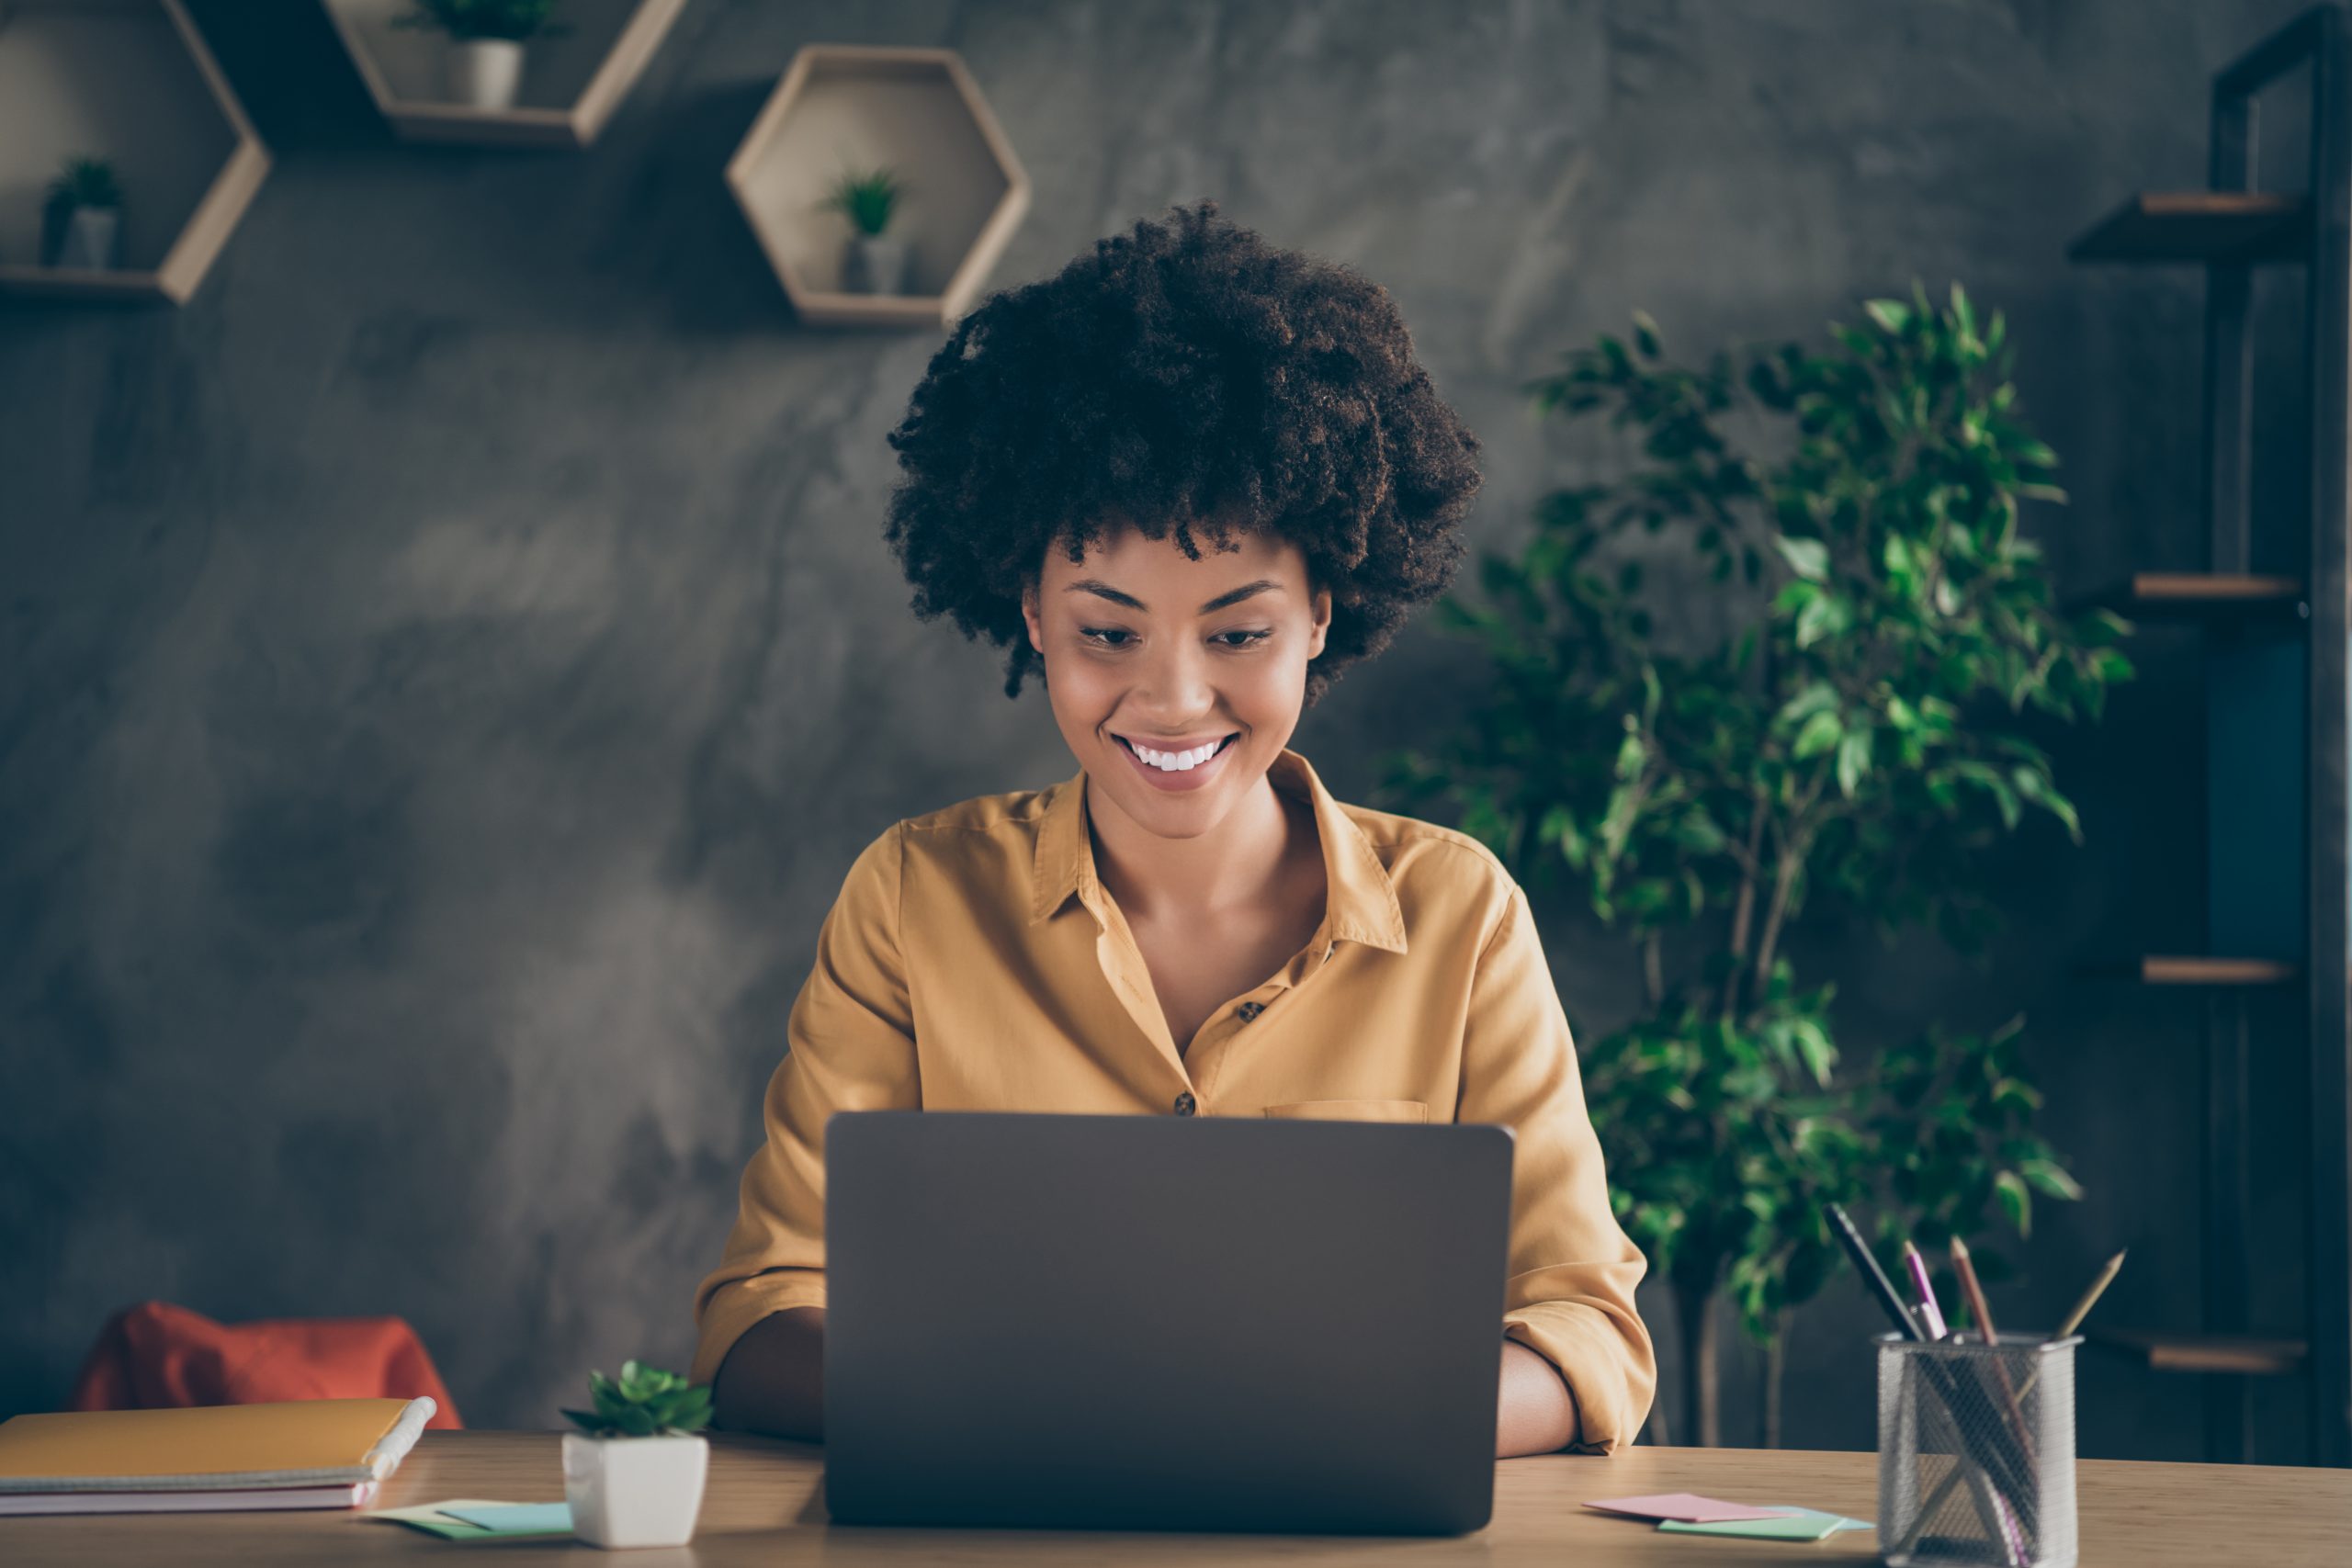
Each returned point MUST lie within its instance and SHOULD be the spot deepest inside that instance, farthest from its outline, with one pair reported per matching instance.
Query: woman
(1192, 479)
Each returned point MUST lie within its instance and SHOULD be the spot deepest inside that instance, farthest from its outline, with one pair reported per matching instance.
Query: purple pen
(1931, 1316)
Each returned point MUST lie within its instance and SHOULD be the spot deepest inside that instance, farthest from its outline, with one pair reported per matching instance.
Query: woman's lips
(1177, 781)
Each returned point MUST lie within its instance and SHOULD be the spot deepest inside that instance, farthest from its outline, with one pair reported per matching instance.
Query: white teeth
(1177, 761)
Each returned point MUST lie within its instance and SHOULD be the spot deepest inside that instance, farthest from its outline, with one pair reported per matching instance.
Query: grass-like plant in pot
(634, 1473)
(81, 216)
(484, 66)
(871, 263)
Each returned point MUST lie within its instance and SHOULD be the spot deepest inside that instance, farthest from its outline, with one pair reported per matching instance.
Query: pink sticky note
(1686, 1506)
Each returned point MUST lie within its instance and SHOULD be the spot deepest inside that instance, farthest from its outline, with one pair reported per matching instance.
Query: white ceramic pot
(872, 264)
(483, 73)
(93, 236)
(634, 1491)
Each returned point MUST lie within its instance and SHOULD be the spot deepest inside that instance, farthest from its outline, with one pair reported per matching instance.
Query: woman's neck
(1233, 865)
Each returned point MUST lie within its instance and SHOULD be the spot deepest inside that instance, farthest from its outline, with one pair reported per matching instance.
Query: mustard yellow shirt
(974, 962)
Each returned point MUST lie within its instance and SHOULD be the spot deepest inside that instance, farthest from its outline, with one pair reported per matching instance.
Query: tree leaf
(1809, 558)
(1821, 732)
(1853, 761)
(1646, 334)
(2016, 1201)
(2049, 1177)
(1891, 314)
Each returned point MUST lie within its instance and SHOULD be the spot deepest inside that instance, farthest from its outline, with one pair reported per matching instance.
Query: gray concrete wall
(446, 668)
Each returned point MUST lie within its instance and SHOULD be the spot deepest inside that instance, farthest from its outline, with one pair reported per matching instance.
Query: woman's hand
(1537, 1414)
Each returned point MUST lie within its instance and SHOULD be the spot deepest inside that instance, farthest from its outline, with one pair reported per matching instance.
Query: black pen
(1866, 1264)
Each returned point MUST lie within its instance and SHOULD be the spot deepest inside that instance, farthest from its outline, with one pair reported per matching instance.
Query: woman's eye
(1240, 638)
(1107, 637)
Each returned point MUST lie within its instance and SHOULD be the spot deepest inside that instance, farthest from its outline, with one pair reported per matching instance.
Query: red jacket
(156, 1355)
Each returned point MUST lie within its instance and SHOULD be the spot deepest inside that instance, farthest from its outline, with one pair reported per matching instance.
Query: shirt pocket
(1353, 1110)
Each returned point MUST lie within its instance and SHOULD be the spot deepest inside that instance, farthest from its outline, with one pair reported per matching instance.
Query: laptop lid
(1162, 1322)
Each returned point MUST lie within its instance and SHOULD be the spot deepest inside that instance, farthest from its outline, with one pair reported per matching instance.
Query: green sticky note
(447, 1519)
(1791, 1526)
(1838, 1521)
(515, 1519)
(448, 1529)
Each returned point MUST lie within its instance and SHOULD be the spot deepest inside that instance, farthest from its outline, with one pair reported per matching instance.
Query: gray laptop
(1162, 1322)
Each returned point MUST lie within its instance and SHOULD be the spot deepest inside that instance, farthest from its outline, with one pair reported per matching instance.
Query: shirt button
(1250, 1010)
(1185, 1105)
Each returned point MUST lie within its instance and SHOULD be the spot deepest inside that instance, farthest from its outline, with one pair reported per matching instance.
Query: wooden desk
(765, 1506)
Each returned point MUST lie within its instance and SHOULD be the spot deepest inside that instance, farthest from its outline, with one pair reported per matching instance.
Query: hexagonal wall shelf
(571, 82)
(129, 81)
(914, 111)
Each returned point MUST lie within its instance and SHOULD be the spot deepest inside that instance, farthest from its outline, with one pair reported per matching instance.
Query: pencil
(1981, 1310)
(2090, 1297)
(2082, 1310)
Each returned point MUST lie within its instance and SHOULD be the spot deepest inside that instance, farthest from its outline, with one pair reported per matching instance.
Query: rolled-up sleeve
(1570, 1296)
(850, 1046)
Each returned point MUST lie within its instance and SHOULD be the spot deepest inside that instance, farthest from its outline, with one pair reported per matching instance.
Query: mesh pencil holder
(1976, 1452)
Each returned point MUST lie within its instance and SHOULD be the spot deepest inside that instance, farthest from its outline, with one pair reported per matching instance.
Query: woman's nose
(1175, 681)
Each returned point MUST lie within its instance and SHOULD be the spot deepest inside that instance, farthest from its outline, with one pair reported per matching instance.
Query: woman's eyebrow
(1104, 591)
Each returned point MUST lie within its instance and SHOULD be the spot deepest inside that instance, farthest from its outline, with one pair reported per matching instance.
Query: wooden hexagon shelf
(130, 82)
(571, 82)
(913, 111)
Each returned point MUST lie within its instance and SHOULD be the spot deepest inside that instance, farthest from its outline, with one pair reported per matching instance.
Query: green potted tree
(484, 66)
(82, 217)
(634, 1473)
(871, 262)
(1840, 711)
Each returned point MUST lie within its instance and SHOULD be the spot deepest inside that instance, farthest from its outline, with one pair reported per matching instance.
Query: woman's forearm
(772, 1380)
(1537, 1414)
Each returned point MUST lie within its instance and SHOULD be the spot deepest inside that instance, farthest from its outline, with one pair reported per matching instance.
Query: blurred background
(448, 661)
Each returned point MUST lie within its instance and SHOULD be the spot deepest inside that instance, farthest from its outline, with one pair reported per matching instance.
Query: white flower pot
(92, 237)
(483, 73)
(874, 266)
(634, 1491)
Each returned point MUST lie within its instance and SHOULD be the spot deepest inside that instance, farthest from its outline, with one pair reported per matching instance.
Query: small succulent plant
(85, 182)
(646, 1403)
(864, 199)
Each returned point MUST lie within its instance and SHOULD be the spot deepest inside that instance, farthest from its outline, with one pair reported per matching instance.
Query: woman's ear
(1029, 613)
(1321, 626)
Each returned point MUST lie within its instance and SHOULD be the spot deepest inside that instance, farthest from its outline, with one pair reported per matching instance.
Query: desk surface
(765, 1505)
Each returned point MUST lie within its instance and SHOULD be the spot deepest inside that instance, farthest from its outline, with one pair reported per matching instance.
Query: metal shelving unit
(2277, 725)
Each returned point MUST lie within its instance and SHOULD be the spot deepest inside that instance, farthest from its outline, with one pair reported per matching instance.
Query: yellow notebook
(307, 1442)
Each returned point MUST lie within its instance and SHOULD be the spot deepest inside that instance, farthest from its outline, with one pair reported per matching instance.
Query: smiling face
(1176, 682)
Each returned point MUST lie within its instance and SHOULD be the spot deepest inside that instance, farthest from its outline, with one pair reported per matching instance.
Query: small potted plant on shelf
(82, 219)
(634, 1477)
(870, 263)
(485, 65)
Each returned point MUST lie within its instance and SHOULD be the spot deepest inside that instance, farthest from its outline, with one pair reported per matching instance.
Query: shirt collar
(1360, 899)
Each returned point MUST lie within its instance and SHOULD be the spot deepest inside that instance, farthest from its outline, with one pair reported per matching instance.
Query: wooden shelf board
(831, 308)
(2248, 1354)
(2199, 226)
(571, 81)
(2201, 595)
(2194, 969)
(915, 111)
(81, 283)
(456, 124)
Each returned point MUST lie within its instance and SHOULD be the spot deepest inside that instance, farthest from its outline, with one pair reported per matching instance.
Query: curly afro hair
(1187, 379)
